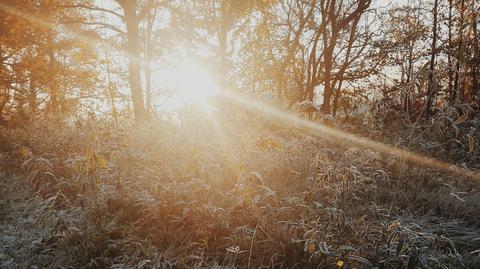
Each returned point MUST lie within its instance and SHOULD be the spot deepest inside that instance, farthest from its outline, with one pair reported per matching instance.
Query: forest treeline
(59, 56)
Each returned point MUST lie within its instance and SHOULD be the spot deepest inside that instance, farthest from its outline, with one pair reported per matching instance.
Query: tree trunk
(338, 94)
(406, 101)
(458, 92)
(327, 82)
(148, 61)
(53, 104)
(431, 87)
(134, 59)
(476, 59)
(32, 97)
(327, 95)
(449, 57)
(148, 86)
(111, 91)
(20, 99)
(312, 72)
(4, 96)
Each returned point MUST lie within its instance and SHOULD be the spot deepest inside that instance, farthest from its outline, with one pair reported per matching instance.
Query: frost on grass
(188, 196)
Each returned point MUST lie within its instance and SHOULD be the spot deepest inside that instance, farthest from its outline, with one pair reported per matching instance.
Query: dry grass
(208, 194)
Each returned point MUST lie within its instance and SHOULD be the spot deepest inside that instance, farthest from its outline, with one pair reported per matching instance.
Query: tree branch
(102, 24)
(95, 8)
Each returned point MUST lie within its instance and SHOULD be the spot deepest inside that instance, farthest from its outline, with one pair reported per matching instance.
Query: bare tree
(431, 86)
(331, 47)
(132, 19)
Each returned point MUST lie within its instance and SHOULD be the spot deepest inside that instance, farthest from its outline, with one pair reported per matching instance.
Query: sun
(191, 84)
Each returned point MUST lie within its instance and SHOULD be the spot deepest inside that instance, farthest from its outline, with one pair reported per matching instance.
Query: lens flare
(191, 83)
(324, 131)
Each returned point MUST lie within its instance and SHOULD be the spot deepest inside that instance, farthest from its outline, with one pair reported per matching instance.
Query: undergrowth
(205, 193)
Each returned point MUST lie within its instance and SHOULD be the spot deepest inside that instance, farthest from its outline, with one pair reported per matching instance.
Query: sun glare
(191, 84)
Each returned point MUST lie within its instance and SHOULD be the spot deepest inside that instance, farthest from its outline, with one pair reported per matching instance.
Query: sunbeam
(344, 137)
